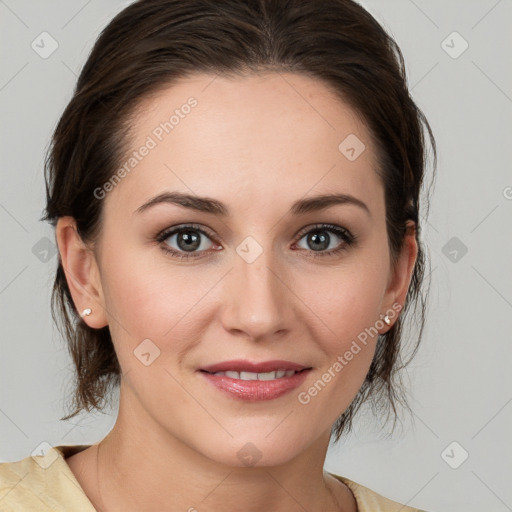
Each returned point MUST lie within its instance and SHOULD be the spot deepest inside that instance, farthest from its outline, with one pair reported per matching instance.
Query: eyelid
(327, 227)
(167, 232)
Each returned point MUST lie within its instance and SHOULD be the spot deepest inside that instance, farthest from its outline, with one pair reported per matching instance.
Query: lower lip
(256, 390)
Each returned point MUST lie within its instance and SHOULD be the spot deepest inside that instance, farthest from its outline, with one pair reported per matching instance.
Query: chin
(258, 448)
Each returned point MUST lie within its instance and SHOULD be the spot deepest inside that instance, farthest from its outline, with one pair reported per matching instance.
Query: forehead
(247, 138)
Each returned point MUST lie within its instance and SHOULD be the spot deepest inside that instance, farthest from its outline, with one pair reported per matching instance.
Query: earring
(387, 321)
(86, 312)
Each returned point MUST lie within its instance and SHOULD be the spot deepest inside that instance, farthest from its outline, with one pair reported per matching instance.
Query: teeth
(267, 376)
(248, 376)
(257, 376)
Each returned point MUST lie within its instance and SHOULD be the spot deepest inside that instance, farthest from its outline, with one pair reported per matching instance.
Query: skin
(257, 143)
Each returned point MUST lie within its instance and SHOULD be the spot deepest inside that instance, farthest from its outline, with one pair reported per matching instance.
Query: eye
(189, 241)
(319, 238)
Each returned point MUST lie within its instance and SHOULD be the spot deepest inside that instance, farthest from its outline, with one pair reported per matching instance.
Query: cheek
(347, 308)
(346, 301)
(149, 298)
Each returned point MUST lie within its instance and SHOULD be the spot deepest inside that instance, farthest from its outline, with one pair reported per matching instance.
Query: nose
(257, 300)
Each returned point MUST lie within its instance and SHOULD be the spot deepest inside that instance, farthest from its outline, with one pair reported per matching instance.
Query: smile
(251, 386)
(257, 376)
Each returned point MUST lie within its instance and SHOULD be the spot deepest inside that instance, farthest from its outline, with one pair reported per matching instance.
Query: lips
(246, 380)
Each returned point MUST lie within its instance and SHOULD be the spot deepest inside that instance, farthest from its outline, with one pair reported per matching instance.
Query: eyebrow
(215, 207)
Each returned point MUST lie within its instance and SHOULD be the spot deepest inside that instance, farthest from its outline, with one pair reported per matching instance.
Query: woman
(235, 187)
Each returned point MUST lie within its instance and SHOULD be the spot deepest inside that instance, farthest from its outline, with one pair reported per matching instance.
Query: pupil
(190, 240)
(319, 238)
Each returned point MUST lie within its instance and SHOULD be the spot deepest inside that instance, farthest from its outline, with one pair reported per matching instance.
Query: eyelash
(348, 239)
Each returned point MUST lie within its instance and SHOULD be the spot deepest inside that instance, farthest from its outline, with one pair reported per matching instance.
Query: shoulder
(42, 483)
(370, 501)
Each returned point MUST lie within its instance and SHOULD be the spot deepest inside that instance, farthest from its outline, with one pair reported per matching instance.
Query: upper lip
(240, 365)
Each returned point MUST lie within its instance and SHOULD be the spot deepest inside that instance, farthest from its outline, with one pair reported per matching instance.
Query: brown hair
(151, 44)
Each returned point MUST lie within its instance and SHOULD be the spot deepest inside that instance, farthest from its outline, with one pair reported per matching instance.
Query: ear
(82, 273)
(401, 274)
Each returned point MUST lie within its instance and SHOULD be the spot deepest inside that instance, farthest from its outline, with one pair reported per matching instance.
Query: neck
(142, 467)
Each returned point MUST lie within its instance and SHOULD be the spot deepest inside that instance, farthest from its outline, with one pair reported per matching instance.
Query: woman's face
(260, 284)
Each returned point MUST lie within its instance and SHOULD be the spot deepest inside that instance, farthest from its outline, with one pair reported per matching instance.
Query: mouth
(240, 375)
(245, 366)
(254, 382)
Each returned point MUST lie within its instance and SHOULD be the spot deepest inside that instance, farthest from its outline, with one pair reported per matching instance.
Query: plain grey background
(458, 56)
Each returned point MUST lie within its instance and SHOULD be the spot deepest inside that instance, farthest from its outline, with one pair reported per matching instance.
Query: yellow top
(45, 483)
